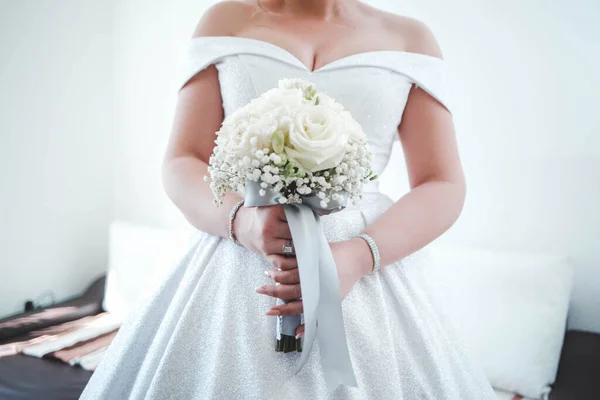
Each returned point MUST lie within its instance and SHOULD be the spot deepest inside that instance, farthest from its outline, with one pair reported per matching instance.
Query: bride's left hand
(353, 260)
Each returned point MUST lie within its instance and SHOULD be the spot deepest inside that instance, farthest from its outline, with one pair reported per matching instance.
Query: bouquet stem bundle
(298, 147)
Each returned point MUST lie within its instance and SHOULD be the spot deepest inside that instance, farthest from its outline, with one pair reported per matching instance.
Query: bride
(208, 331)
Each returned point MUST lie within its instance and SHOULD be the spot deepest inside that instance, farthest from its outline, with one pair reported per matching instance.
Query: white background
(524, 82)
(56, 146)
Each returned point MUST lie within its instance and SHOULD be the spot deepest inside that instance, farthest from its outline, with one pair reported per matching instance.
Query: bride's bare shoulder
(225, 18)
(411, 34)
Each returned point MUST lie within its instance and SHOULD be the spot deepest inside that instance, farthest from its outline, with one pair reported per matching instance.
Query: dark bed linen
(21, 327)
(578, 375)
(30, 378)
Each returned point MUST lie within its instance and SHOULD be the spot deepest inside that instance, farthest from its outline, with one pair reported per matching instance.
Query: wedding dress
(203, 334)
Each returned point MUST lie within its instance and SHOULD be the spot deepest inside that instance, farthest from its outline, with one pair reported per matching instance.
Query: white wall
(523, 75)
(150, 41)
(524, 78)
(56, 130)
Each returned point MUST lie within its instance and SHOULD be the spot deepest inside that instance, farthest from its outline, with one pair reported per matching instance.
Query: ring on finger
(288, 248)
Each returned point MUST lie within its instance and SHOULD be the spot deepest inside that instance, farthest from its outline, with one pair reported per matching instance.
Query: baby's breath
(251, 145)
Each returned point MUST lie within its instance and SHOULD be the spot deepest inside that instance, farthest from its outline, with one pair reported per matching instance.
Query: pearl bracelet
(374, 251)
(232, 214)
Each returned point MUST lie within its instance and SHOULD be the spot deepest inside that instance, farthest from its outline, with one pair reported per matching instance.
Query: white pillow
(509, 308)
(139, 257)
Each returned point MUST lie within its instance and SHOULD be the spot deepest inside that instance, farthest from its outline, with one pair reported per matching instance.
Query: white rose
(355, 130)
(317, 138)
(263, 130)
(308, 88)
(329, 102)
(296, 83)
(249, 135)
(276, 98)
(233, 124)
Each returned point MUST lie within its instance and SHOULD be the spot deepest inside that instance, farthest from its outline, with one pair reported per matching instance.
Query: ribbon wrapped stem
(319, 284)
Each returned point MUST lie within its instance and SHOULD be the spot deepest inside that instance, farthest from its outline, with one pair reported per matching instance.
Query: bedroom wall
(524, 81)
(523, 77)
(55, 147)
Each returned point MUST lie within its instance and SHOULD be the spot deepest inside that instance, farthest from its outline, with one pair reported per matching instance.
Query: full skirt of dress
(203, 333)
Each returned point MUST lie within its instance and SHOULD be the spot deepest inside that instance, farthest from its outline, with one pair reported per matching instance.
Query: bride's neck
(325, 9)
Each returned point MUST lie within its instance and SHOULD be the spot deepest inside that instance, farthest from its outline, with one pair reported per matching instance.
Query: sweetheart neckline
(326, 66)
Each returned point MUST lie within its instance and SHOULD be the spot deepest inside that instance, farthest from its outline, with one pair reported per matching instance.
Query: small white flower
(286, 123)
(262, 192)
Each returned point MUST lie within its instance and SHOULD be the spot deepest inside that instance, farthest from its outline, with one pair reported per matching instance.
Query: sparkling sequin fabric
(203, 334)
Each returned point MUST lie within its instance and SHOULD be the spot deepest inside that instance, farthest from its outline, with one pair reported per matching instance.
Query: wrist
(233, 221)
(361, 252)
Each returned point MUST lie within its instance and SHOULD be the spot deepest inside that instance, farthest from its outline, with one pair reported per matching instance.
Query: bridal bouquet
(294, 140)
(296, 146)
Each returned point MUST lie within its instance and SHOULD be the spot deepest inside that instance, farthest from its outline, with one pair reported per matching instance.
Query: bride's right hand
(264, 231)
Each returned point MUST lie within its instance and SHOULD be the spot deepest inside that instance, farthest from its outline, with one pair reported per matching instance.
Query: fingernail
(261, 289)
(273, 312)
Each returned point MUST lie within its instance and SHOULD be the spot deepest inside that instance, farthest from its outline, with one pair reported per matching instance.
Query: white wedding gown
(203, 334)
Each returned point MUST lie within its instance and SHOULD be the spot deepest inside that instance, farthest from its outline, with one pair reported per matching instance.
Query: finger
(300, 331)
(277, 212)
(281, 230)
(274, 246)
(281, 214)
(282, 263)
(288, 277)
(281, 291)
(274, 228)
(291, 308)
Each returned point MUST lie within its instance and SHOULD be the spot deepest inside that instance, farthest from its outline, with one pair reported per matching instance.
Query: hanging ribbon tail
(335, 357)
(302, 222)
(319, 283)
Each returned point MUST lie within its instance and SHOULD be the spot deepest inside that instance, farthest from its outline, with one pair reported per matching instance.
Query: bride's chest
(375, 97)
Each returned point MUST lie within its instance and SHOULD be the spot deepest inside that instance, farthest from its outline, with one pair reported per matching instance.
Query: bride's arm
(436, 177)
(198, 116)
(437, 188)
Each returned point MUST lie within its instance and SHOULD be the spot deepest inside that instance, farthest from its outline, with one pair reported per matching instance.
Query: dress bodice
(373, 86)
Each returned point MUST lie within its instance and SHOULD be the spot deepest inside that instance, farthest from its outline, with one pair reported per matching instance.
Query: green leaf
(288, 170)
(284, 159)
(277, 141)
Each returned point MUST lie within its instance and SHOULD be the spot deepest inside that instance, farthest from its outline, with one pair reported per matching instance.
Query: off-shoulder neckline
(300, 64)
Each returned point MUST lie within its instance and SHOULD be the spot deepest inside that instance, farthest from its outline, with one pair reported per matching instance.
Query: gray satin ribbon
(318, 281)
